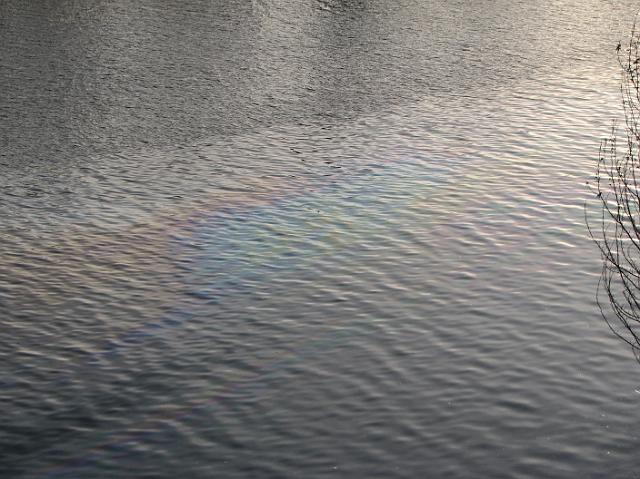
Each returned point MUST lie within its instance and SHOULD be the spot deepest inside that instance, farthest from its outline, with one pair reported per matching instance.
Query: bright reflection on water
(307, 239)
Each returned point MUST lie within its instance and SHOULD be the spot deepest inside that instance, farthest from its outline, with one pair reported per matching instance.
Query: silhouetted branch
(617, 187)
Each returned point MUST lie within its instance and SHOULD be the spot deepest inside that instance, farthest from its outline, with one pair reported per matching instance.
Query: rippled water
(307, 239)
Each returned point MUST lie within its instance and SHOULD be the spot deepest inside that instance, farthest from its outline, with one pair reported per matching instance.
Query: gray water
(279, 238)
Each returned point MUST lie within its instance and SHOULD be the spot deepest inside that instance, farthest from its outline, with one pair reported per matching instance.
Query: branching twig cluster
(617, 187)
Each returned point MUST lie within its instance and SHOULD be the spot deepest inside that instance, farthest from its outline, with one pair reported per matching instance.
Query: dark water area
(307, 239)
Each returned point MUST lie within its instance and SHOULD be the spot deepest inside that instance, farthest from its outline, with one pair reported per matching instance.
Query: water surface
(307, 239)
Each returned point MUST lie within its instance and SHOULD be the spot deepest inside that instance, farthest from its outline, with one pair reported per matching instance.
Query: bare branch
(618, 190)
